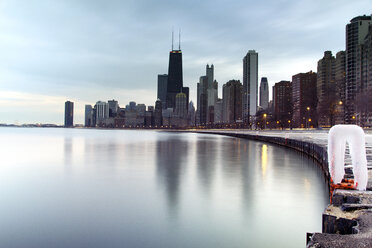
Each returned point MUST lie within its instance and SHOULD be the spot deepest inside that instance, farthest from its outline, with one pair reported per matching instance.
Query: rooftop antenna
(172, 38)
(179, 40)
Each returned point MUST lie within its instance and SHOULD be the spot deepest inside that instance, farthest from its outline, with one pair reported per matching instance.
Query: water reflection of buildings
(207, 151)
(67, 151)
(171, 155)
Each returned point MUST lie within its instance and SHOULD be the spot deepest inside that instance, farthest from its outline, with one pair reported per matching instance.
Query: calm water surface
(115, 188)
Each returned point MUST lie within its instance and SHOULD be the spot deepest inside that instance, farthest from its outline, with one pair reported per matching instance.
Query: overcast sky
(85, 51)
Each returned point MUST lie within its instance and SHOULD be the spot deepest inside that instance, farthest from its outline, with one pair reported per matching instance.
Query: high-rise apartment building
(191, 114)
(250, 86)
(102, 113)
(113, 108)
(162, 88)
(232, 102)
(218, 114)
(181, 105)
(212, 93)
(356, 32)
(264, 93)
(304, 99)
(340, 68)
(202, 99)
(88, 115)
(158, 120)
(282, 100)
(326, 90)
(69, 114)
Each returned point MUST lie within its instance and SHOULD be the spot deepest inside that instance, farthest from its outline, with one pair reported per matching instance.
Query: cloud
(83, 49)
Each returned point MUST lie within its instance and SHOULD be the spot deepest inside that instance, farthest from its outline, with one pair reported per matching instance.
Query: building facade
(88, 116)
(162, 88)
(69, 114)
(202, 99)
(356, 31)
(340, 67)
(264, 93)
(102, 112)
(326, 90)
(282, 100)
(232, 102)
(250, 86)
(304, 99)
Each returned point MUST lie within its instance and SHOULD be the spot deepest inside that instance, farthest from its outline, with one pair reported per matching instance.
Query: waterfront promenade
(347, 222)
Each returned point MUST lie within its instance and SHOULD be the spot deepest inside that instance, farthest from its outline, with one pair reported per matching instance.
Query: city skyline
(45, 63)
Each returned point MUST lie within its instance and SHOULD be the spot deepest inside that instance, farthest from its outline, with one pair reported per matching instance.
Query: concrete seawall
(348, 221)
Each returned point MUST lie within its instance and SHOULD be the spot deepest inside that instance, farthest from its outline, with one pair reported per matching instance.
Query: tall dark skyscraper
(175, 78)
(69, 114)
(162, 88)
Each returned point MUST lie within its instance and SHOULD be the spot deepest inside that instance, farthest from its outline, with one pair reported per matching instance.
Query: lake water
(116, 188)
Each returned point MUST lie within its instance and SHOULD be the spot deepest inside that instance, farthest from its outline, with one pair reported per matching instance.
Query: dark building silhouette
(340, 68)
(202, 99)
(264, 93)
(232, 102)
(113, 108)
(162, 88)
(326, 89)
(175, 78)
(158, 119)
(88, 115)
(282, 100)
(69, 114)
(304, 99)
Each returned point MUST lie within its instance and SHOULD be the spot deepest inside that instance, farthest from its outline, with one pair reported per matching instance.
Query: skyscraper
(202, 100)
(250, 86)
(264, 93)
(102, 112)
(181, 106)
(88, 115)
(356, 31)
(232, 102)
(191, 114)
(162, 88)
(69, 114)
(175, 78)
(113, 108)
(212, 93)
(326, 89)
(282, 100)
(158, 114)
(340, 68)
(304, 99)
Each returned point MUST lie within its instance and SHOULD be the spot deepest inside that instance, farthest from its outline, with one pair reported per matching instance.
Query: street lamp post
(265, 115)
(307, 123)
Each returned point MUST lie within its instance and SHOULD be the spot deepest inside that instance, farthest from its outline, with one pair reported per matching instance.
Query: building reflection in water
(206, 153)
(171, 156)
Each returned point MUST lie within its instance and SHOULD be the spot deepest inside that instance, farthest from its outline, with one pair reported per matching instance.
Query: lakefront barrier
(347, 221)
